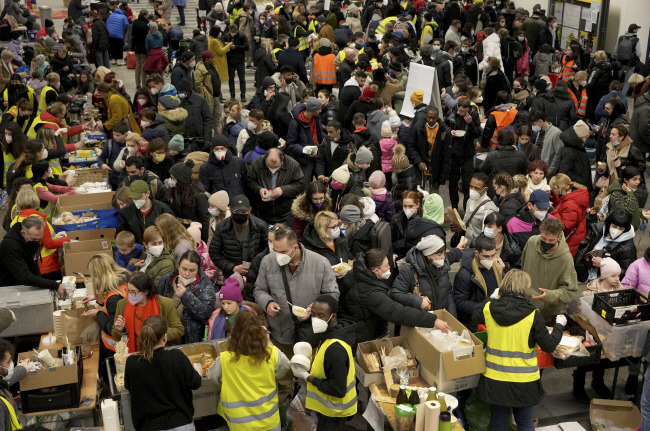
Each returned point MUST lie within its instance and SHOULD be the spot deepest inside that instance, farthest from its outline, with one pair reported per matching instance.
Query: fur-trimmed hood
(175, 115)
(298, 212)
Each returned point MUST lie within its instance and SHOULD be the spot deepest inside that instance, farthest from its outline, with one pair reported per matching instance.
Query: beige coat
(203, 82)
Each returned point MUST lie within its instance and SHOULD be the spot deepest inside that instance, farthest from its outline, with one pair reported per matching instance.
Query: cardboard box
(85, 235)
(76, 255)
(98, 175)
(606, 414)
(48, 377)
(448, 374)
(93, 201)
(362, 372)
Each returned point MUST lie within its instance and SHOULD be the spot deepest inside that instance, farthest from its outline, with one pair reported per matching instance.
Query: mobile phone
(591, 126)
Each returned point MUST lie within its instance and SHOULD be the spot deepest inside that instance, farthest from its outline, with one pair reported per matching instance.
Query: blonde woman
(323, 236)
(56, 148)
(131, 147)
(109, 283)
(174, 235)
(516, 327)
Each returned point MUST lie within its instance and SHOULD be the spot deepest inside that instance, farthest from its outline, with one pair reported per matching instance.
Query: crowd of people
(312, 214)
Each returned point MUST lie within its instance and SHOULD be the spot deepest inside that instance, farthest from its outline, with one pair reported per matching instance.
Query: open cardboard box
(85, 235)
(76, 255)
(448, 373)
(604, 414)
(362, 372)
(92, 201)
(48, 377)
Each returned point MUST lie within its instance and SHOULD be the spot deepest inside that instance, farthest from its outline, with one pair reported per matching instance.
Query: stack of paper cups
(110, 415)
(58, 324)
(431, 415)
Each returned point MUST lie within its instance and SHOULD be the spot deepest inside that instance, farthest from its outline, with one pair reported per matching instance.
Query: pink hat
(195, 231)
(377, 182)
(230, 291)
(609, 267)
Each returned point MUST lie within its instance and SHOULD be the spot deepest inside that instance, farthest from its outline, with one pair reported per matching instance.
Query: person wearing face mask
(423, 283)
(431, 149)
(305, 207)
(236, 59)
(264, 97)
(477, 279)
(620, 154)
(407, 226)
(333, 152)
(47, 192)
(156, 159)
(506, 245)
(529, 218)
(190, 288)
(142, 212)
(152, 125)
(548, 35)
(157, 259)
(323, 236)
(570, 202)
(548, 138)
(130, 148)
(505, 158)
(111, 153)
(142, 100)
(520, 94)
(578, 90)
(223, 170)
(358, 231)
(10, 375)
(182, 74)
(615, 236)
(479, 205)
(507, 196)
(622, 193)
(547, 259)
(369, 305)
(218, 210)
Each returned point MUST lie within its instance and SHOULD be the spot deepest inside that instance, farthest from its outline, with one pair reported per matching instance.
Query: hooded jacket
(299, 135)
(158, 124)
(509, 206)
(370, 306)
(621, 249)
(505, 159)
(312, 241)
(571, 209)
(302, 218)
(432, 282)
(227, 252)
(265, 66)
(637, 276)
(552, 271)
(131, 218)
(562, 110)
(574, 160)
(443, 62)
(228, 174)
(175, 120)
(407, 233)
(199, 44)
(523, 226)
(348, 94)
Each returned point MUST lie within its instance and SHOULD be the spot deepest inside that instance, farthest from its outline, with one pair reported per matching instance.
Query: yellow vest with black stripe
(48, 208)
(30, 95)
(44, 250)
(304, 41)
(508, 358)
(381, 28)
(328, 405)
(42, 104)
(276, 53)
(249, 394)
(15, 424)
(9, 160)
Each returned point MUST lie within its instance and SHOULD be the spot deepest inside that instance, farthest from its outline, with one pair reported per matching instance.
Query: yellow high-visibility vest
(42, 104)
(15, 424)
(304, 41)
(381, 28)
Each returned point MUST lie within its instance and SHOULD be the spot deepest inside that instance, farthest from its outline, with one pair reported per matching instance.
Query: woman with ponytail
(161, 381)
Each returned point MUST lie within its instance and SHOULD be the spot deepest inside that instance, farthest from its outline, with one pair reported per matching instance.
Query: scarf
(543, 185)
(135, 315)
(313, 129)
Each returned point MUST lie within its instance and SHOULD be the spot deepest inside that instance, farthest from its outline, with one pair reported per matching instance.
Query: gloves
(60, 235)
(561, 319)
(61, 130)
(198, 367)
(495, 294)
(300, 372)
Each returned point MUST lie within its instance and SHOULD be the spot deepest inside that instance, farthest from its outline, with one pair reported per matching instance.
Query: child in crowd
(385, 208)
(387, 143)
(221, 322)
(525, 144)
(127, 250)
(610, 273)
(202, 249)
(158, 260)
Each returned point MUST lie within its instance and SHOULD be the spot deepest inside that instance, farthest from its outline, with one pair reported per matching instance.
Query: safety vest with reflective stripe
(277, 10)
(13, 111)
(15, 424)
(110, 342)
(381, 28)
(312, 26)
(342, 55)
(30, 96)
(304, 41)
(48, 207)
(567, 70)
(9, 160)
(55, 164)
(42, 104)
(324, 71)
(581, 105)
(328, 405)
(45, 252)
(276, 53)
(249, 395)
(235, 14)
(503, 118)
(508, 358)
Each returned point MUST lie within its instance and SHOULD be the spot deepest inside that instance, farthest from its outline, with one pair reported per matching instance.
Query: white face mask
(154, 91)
(10, 372)
(336, 232)
(251, 126)
(438, 263)
(274, 170)
(319, 325)
(186, 281)
(170, 183)
(220, 155)
(192, 64)
(479, 99)
(142, 102)
(132, 150)
(473, 195)
(385, 275)
(540, 215)
(489, 232)
(44, 156)
(156, 250)
(536, 128)
(409, 213)
(213, 212)
(270, 245)
(139, 203)
(465, 50)
(283, 259)
(454, 89)
(9, 139)
(614, 233)
(145, 124)
(583, 83)
(487, 263)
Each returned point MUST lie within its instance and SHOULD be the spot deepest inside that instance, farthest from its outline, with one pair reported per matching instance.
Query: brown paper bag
(79, 329)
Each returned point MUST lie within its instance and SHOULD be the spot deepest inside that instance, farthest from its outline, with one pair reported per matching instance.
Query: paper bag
(79, 329)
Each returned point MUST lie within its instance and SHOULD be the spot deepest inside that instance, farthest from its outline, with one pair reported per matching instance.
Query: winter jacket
(563, 110)
(506, 312)
(348, 94)
(407, 179)
(640, 123)
(440, 160)
(116, 24)
(162, 265)
(299, 136)
(627, 155)
(198, 45)
(358, 106)
(405, 238)
(475, 225)
(551, 148)
(198, 302)
(600, 76)
(228, 174)
(302, 218)
(195, 213)
(326, 160)
(374, 120)
(157, 188)
(523, 226)
(544, 102)
(123, 260)
(384, 208)
(491, 48)
(509, 206)
(199, 116)
(491, 123)
(476, 13)
(443, 62)
(433, 283)
(361, 137)
(546, 36)
(227, 252)
(291, 57)
(571, 209)
(574, 160)
(505, 159)
(369, 305)
(153, 41)
(182, 77)
(100, 35)
(470, 290)
(110, 153)
(600, 109)
(236, 55)
(553, 271)
(510, 252)
(624, 200)
(293, 90)
(493, 81)
(637, 276)
(131, 218)
(158, 124)
(289, 179)
(264, 64)
(464, 147)
(139, 34)
(313, 242)
(312, 277)
(118, 110)
(204, 82)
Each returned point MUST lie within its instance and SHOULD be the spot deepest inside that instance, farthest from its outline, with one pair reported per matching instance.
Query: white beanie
(386, 131)
(369, 207)
(393, 119)
(430, 244)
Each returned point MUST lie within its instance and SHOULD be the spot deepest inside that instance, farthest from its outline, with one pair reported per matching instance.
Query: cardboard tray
(85, 235)
(93, 201)
(76, 255)
(623, 414)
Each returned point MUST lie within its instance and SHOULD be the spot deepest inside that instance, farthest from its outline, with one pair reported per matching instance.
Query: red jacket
(48, 263)
(571, 209)
(58, 124)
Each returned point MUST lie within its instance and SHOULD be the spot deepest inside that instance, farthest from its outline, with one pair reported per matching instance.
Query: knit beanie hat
(581, 129)
(430, 244)
(341, 174)
(370, 91)
(168, 90)
(220, 200)
(183, 171)
(377, 182)
(195, 231)
(609, 267)
(417, 97)
(169, 102)
(177, 143)
(313, 104)
(386, 130)
(350, 214)
(540, 85)
(393, 119)
(399, 160)
(267, 82)
(363, 155)
(149, 135)
(230, 291)
(369, 207)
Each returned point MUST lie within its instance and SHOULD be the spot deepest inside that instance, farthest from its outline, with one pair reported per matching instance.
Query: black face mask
(240, 218)
(134, 177)
(517, 90)
(546, 246)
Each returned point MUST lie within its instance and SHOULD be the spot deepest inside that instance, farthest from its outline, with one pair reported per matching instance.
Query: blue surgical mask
(436, 48)
(616, 143)
(391, 74)
(521, 38)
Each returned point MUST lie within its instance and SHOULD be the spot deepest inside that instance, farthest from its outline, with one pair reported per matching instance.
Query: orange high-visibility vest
(324, 71)
(581, 105)
(504, 118)
(107, 339)
(567, 70)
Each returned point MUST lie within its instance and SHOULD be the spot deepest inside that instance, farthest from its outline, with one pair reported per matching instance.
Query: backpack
(372, 27)
(377, 231)
(626, 50)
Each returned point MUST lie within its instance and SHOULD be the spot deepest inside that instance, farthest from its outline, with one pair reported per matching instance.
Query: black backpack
(626, 50)
(378, 230)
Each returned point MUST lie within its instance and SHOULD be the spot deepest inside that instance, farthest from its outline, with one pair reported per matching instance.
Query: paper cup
(46, 358)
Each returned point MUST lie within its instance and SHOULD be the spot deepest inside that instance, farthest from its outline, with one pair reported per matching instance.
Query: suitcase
(130, 60)
(33, 308)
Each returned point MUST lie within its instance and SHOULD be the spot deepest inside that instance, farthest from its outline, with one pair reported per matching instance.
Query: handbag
(455, 238)
(301, 330)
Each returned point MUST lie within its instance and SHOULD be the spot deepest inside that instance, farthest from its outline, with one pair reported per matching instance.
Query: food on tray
(341, 268)
(69, 218)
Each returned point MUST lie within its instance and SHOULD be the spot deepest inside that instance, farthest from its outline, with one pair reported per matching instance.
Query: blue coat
(600, 109)
(116, 23)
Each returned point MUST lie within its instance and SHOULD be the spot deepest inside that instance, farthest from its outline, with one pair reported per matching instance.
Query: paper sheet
(374, 414)
(586, 13)
(423, 78)
(326, 5)
(559, 10)
(568, 35)
(571, 15)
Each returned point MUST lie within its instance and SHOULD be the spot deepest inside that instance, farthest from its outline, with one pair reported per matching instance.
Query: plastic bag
(297, 413)
(563, 350)
(478, 414)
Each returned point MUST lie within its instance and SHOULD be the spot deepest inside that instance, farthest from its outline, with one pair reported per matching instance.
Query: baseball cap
(633, 27)
(240, 203)
(137, 188)
(540, 199)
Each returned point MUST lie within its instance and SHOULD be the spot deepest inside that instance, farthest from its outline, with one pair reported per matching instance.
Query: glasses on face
(133, 292)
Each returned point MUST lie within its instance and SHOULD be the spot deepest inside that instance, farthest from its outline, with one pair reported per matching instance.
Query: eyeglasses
(133, 292)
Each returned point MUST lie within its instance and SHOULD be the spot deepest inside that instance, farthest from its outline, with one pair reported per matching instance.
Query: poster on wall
(585, 41)
(559, 8)
(571, 15)
(423, 78)
(568, 35)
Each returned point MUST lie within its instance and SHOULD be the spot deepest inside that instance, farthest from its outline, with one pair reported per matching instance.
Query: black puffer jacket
(623, 252)
(505, 159)
(370, 307)
(199, 116)
(228, 174)
(600, 76)
(138, 35)
(510, 252)
(406, 233)
(361, 240)
(312, 241)
(227, 252)
(562, 111)
(263, 61)
(463, 147)
(432, 282)
(198, 45)
(574, 161)
(100, 35)
(329, 113)
(509, 206)
(326, 161)
(408, 179)
(418, 150)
